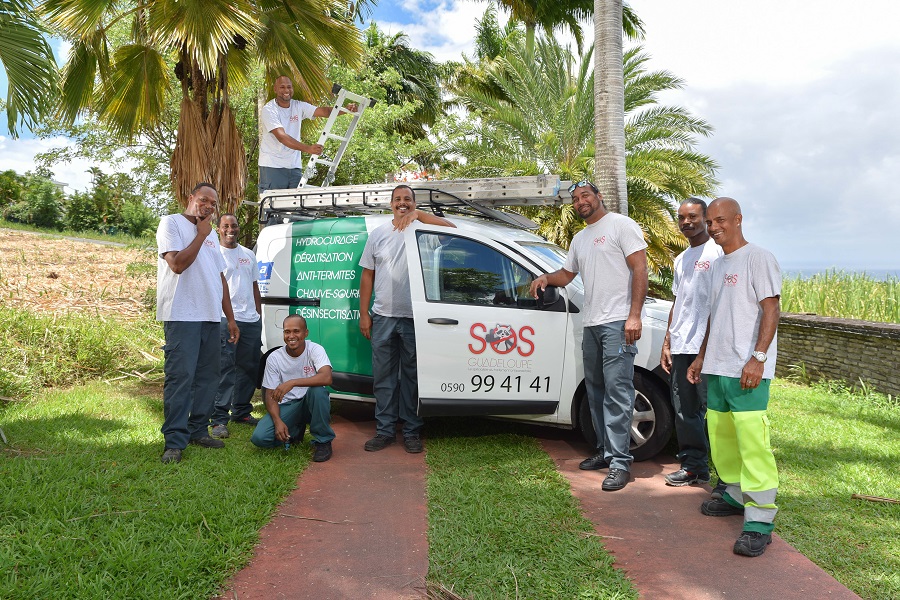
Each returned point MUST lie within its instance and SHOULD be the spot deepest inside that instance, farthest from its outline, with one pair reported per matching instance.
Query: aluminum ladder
(315, 159)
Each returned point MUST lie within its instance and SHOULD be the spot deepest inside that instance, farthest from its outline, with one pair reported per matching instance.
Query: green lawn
(88, 510)
(503, 522)
(830, 444)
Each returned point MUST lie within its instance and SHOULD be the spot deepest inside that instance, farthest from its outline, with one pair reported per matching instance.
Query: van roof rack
(473, 197)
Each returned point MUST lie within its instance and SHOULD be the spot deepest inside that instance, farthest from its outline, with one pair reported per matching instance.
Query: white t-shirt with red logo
(598, 252)
(693, 279)
(273, 153)
(240, 273)
(195, 294)
(741, 280)
(281, 367)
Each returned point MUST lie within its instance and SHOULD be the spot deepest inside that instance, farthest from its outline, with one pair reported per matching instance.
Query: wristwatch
(760, 356)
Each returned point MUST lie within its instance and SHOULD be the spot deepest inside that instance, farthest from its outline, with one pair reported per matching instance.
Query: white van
(484, 345)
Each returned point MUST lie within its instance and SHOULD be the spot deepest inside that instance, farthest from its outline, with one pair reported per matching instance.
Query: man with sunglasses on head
(610, 254)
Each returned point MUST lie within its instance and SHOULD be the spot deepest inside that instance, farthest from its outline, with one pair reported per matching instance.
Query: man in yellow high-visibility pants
(738, 359)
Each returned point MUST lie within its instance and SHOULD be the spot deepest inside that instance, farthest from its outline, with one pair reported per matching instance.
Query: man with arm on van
(610, 253)
(738, 358)
(391, 329)
(280, 161)
(684, 336)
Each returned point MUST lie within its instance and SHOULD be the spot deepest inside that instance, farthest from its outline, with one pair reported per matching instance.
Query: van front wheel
(651, 424)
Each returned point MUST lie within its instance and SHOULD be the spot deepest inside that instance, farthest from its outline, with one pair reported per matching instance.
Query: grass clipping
(49, 275)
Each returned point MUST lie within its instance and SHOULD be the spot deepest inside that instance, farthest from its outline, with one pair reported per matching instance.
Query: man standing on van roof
(280, 162)
(191, 296)
(684, 336)
(610, 253)
(738, 359)
(240, 361)
(391, 329)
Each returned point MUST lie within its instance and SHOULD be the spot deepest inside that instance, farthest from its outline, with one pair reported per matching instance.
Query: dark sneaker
(207, 442)
(379, 442)
(413, 444)
(682, 477)
(615, 480)
(752, 543)
(220, 431)
(248, 420)
(322, 452)
(593, 463)
(718, 491)
(171, 455)
(720, 508)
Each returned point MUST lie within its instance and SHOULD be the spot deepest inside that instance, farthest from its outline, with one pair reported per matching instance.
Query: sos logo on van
(501, 339)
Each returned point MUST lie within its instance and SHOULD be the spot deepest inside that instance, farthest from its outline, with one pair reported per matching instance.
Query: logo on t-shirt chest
(731, 279)
(243, 261)
(294, 119)
(600, 241)
(309, 370)
(701, 265)
(209, 243)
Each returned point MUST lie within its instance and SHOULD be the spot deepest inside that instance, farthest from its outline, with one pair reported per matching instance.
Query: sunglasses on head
(583, 183)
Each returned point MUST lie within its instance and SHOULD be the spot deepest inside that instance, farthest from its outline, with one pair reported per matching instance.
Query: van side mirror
(549, 296)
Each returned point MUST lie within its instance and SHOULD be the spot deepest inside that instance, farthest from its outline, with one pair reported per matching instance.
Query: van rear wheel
(651, 424)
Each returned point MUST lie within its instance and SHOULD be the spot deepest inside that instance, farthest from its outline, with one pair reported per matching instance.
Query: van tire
(654, 418)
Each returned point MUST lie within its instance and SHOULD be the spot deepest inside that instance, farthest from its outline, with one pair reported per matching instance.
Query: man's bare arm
(637, 264)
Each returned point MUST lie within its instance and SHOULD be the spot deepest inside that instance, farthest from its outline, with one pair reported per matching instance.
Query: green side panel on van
(325, 257)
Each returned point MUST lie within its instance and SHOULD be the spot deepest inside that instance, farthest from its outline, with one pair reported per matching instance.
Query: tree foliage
(542, 122)
(29, 64)
(214, 45)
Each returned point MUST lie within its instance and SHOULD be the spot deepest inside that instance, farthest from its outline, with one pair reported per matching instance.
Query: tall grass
(38, 351)
(845, 295)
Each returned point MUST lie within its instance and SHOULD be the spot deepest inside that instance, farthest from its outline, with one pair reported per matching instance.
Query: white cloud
(18, 155)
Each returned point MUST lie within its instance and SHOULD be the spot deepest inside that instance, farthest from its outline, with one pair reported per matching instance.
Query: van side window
(463, 271)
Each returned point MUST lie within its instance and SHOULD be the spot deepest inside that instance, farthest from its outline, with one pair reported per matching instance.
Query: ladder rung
(322, 161)
(336, 137)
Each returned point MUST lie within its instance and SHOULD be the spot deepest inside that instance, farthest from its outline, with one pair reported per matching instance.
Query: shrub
(38, 351)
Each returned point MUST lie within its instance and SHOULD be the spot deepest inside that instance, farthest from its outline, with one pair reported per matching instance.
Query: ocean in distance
(807, 272)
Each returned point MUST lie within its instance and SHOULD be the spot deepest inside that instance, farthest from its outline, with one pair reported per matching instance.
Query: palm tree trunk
(609, 105)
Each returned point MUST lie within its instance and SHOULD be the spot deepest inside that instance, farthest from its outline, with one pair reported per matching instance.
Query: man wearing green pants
(738, 357)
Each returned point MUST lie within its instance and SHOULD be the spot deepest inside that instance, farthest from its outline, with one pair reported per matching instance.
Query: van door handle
(442, 321)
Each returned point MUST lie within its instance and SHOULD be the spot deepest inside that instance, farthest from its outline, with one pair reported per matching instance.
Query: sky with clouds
(803, 97)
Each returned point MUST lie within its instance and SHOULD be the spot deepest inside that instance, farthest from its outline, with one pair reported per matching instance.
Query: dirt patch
(55, 276)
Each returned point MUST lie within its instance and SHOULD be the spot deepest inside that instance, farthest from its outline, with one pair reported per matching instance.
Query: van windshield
(554, 255)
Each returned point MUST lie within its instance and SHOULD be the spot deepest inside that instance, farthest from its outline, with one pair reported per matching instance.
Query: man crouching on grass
(294, 385)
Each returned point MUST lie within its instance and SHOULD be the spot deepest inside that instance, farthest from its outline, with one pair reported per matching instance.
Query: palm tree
(609, 103)
(542, 122)
(552, 15)
(29, 64)
(419, 77)
(214, 45)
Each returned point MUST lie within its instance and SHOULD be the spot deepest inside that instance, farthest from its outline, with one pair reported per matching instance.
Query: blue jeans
(313, 408)
(689, 401)
(273, 178)
(609, 378)
(240, 365)
(394, 372)
(191, 376)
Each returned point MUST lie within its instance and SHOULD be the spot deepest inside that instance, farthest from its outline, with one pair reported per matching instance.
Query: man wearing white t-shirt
(738, 359)
(280, 161)
(191, 296)
(391, 329)
(684, 336)
(240, 361)
(610, 253)
(294, 385)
